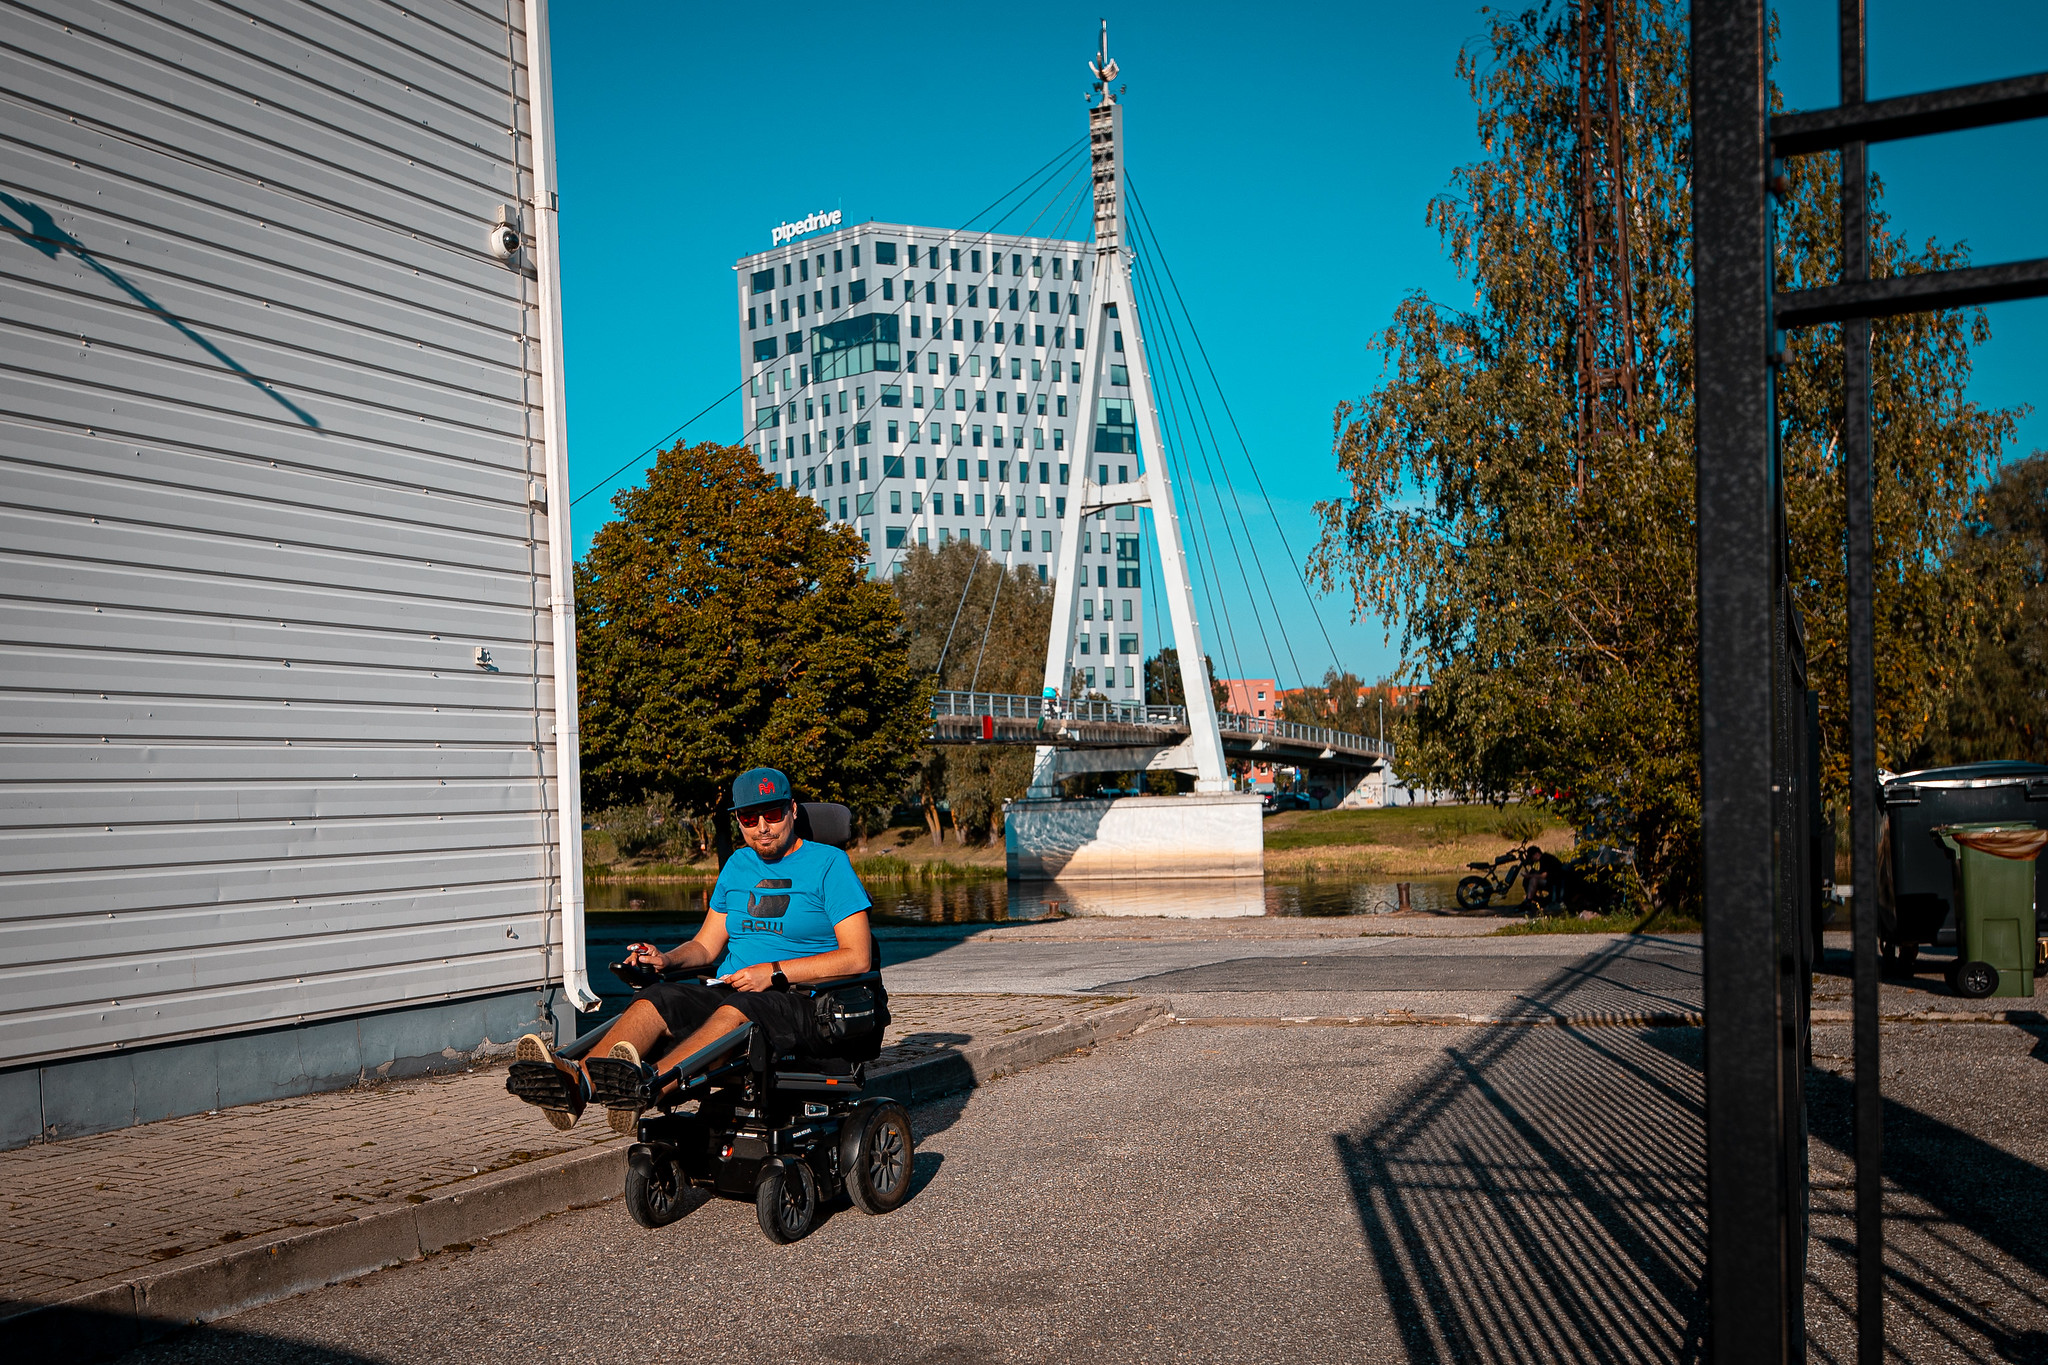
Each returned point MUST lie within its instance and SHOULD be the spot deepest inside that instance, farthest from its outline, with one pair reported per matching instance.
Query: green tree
(723, 624)
(2002, 711)
(1544, 579)
(971, 626)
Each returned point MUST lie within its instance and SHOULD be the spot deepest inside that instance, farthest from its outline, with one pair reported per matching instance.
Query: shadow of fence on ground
(1540, 1193)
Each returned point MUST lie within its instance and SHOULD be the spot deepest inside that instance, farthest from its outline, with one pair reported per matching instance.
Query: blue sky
(1285, 157)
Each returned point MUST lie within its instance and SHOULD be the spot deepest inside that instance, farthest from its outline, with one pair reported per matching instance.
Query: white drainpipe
(561, 565)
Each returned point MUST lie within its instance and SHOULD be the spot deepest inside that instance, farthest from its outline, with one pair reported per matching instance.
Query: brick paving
(109, 1205)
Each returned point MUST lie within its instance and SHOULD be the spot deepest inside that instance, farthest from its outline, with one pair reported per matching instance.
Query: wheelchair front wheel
(878, 1163)
(787, 1202)
(655, 1188)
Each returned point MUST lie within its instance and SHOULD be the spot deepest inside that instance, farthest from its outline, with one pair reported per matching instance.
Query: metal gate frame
(1757, 783)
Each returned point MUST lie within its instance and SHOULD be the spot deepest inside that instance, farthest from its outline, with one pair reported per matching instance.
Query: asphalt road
(1253, 1191)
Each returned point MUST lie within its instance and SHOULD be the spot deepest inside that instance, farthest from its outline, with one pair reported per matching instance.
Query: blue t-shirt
(775, 912)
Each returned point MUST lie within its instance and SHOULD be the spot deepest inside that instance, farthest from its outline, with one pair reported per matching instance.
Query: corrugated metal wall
(270, 474)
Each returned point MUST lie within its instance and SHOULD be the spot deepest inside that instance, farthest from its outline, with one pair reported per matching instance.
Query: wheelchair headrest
(827, 822)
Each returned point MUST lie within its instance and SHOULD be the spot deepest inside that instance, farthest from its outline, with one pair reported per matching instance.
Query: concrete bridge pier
(1201, 834)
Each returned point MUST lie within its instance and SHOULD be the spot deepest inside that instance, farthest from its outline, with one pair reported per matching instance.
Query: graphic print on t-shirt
(769, 907)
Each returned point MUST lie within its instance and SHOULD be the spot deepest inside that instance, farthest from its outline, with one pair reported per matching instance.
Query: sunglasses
(774, 815)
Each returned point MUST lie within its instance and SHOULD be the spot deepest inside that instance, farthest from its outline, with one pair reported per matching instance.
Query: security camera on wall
(505, 240)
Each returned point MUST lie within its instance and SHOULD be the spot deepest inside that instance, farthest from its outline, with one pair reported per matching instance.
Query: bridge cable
(1180, 379)
(986, 627)
(1226, 640)
(1059, 159)
(1224, 399)
(1177, 354)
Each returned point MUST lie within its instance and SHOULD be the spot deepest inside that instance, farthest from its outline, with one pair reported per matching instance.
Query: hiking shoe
(620, 1082)
(539, 1077)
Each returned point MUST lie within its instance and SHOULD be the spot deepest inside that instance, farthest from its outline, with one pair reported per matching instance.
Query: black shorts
(790, 1021)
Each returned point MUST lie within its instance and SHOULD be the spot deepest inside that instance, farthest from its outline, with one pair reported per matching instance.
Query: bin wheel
(1474, 893)
(656, 1193)
(1975, 980)
(787, 1202)
(878, 1167)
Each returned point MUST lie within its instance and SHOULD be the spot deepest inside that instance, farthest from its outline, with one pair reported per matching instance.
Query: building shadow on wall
(1539, 1194)
(40, 231)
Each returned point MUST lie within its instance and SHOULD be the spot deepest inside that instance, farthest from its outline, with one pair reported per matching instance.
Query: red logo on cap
(767, 786)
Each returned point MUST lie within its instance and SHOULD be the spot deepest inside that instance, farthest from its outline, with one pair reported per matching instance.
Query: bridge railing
(1012, 706)
(1317, 735)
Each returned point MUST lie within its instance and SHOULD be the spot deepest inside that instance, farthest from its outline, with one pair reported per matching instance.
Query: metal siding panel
(144, 208)
(35, 541)
(128, 890)
(91, 1025)
(204, 128)
(282, 64)
(380, 379)
(35, 805)
(93, 632)
(269, 429)
(405, 529)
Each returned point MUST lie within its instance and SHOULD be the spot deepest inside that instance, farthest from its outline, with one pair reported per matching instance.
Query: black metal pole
(1747, 1297)
(1863, 792)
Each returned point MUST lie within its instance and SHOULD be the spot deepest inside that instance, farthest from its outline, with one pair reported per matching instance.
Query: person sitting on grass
(784, 910)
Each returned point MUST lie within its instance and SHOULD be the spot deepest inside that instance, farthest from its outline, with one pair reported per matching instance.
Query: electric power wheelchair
(788, 1132)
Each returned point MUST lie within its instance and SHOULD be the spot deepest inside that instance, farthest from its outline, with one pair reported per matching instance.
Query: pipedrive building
(924, 386)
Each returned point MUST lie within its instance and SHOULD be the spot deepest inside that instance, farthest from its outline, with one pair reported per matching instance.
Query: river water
(1011, 902)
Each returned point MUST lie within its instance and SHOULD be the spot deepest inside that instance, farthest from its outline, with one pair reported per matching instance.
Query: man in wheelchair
(793, 1003)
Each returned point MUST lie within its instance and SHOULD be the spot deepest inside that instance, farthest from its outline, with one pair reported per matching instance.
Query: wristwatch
(778, 981)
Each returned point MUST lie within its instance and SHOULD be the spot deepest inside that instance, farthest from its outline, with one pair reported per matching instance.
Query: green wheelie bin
(1995, 901)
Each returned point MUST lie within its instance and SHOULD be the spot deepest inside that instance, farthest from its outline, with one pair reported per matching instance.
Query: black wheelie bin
(1916, 885)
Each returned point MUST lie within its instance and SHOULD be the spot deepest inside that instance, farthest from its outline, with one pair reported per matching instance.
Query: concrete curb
(103, 1320)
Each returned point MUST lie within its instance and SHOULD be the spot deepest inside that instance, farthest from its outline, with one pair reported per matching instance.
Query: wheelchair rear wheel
(878, 1166)
(787, 1201)
(655, 1188)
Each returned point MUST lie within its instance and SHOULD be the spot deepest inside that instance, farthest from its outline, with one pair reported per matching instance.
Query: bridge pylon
(1119, 340)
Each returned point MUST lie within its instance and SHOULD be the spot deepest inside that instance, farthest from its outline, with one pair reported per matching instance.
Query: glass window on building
(1038, 335)
(892, 466)
(892, 537)
(751, 326)
(984, 538)
(764, 349)
(862, 432)
(924, 535)
(956, 439)
(1120, 375)
(764, 280)
(1087, 610)
(954, 254)
(1040, 502)
(896, 504)
(977, 438)
(1056, 267)
(893, 438)
(1116, 426)
(1127, 644)
(1059, 438)
(1091, 677)
(835, 298)
(959, 400)
(838, 261)
(959, 504)
(842, 509)
(856, 291)
(851, 346)
(892, 396)
(864, 504)
(1013, 300)
(958, 328)
(920, 467)
(885, 253)
(981, 504)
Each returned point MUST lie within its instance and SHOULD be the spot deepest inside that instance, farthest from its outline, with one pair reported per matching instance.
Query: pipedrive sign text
(786, 231)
